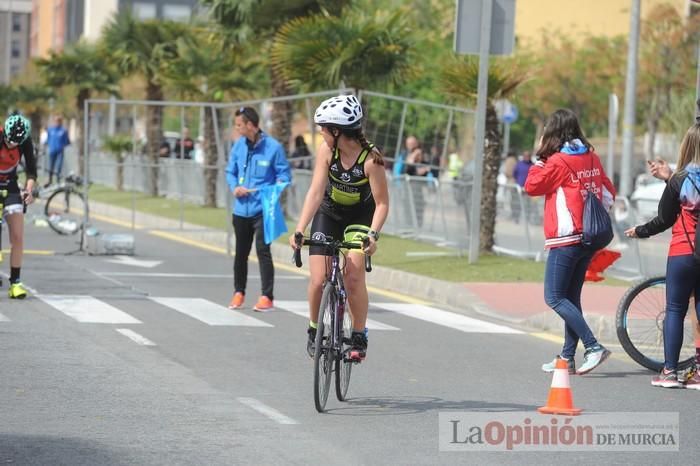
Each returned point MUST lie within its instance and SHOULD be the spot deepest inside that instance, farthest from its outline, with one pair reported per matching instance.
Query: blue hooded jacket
(252, 166)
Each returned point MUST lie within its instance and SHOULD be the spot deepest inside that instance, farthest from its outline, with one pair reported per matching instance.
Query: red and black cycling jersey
(10, 159)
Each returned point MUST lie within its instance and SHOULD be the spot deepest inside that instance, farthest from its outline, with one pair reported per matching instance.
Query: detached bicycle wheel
(65, 211)
(323, 354)
(640, 326)
(343, 365)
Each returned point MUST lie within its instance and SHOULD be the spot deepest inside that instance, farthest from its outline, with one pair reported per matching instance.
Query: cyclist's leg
(14, 214)
(322, 227)
(357, 289)
(680, 284)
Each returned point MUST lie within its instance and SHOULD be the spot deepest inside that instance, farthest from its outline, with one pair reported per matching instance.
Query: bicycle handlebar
(333, 244)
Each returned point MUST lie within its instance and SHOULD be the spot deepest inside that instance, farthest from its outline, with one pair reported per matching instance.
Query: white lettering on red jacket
(564, 180)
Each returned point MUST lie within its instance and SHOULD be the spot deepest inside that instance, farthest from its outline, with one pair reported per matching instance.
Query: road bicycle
(65, 208)
(640, 322)
(333, 341)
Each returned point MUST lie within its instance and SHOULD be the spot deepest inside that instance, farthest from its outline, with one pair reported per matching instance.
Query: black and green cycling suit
(347, 201)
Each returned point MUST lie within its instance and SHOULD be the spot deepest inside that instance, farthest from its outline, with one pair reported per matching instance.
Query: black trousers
(245, 229)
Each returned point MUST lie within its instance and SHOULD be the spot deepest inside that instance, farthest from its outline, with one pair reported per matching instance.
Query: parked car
(647, 194)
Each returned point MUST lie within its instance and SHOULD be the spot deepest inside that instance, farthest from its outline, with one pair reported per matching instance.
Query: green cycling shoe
(17, 291)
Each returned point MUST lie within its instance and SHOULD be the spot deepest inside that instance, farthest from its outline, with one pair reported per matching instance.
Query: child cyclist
(348, 189)
(15, 144)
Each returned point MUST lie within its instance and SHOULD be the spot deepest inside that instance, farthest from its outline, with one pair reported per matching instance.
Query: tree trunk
(83, 95)
(154, 132)
(282, 116)
(211, 157)
(492, 163)
(120, 171)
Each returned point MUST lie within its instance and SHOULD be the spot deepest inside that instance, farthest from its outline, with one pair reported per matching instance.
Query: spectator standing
(184, 146)
(300, 150)
(256, 160)
(56, 141)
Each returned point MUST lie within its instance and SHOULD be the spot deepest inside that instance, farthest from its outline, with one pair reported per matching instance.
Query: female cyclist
(15, 143)
(348, 188)
(678, 208)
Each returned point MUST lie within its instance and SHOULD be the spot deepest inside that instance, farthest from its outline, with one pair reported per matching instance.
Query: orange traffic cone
(560, 399)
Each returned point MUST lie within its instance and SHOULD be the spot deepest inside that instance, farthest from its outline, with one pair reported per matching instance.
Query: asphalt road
(137, 361)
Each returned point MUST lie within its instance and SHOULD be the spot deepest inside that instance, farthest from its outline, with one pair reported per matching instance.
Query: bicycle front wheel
(323, 353)
(640, 324)
(343, 365)
(65, 211)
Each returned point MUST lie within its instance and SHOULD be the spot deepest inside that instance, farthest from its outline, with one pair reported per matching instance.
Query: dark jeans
(563, 281)
(245, 229)
(56, 163)
(682, 280)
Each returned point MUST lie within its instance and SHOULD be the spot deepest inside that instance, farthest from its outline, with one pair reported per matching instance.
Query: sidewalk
(520, 304)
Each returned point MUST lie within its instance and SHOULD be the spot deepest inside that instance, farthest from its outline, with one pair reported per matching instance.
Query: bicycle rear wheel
(65, 211)
(640, 323)
(323, 354)
(343, 366)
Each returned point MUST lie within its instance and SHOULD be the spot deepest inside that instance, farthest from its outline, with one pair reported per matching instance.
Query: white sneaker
(550, 366)
(593, 358)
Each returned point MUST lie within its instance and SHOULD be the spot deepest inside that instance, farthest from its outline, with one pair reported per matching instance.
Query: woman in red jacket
(567, 169)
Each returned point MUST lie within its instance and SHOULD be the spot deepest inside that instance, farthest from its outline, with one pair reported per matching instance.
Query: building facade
(14, 30)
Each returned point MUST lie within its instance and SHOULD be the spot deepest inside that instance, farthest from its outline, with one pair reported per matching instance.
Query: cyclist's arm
(318, 185)
(380, 192)
(669, 209)
(27, 150)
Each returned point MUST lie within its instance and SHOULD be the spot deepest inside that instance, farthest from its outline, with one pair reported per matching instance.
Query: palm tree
(243, 20)
(143, 48)
(206, 70)
(359, 49)
(459, 78)
(84, 68)
(118, 145)
(32, 98)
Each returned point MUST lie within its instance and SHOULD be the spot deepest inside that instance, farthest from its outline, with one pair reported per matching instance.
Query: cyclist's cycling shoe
(311, 342)
(17, 291)
(358, 351)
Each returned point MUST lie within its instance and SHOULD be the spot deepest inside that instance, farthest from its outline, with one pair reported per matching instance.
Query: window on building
(144, 10)
(177, 12)
(16, 22)
(15, 49)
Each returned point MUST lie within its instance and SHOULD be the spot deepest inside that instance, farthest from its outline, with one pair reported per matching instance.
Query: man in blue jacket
(56, 140)
(256, 159)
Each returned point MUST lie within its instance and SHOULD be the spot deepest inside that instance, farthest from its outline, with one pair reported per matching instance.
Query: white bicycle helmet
(343, 111)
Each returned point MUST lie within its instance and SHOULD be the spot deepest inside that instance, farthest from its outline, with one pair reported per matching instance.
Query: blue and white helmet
(343, 111)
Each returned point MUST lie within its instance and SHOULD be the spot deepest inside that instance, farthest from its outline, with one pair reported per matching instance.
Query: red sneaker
(237, 300)
(693, 381)
(264, 304)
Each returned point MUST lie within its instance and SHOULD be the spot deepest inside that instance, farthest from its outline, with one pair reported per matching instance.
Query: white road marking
(265, 410)
(210, 313)
(445, 318)
(190, 275)
(301, 308)
(3, 318)
(127, 260)
(139, 339)
(88, 309)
